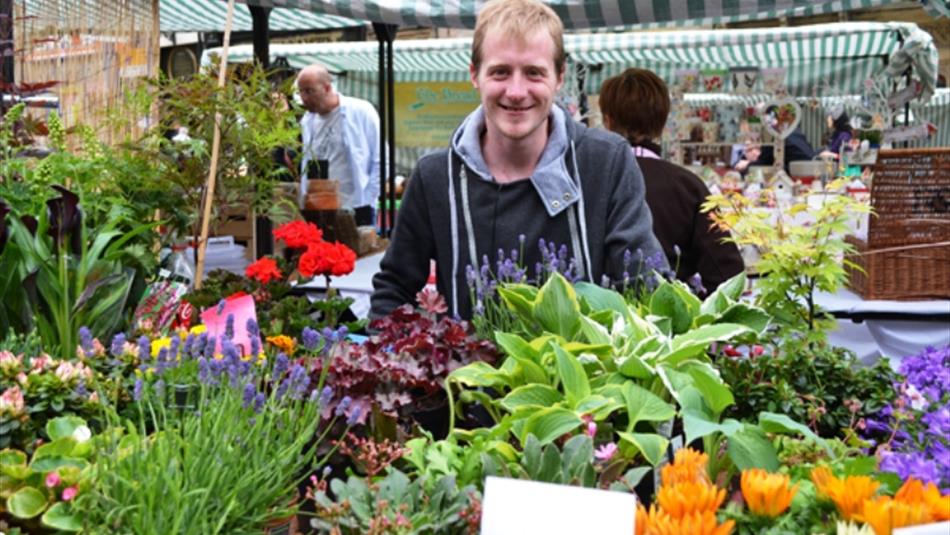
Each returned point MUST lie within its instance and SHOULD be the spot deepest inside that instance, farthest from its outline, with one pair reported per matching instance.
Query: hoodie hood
(551, 179)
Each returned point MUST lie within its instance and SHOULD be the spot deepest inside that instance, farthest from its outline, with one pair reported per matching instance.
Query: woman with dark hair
(635, 105)
(841, 132)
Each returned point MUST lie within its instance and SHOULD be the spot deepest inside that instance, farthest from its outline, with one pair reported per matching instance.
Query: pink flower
(69, 493)
(41, 362)
(9, 362)
(605, 452)
(11, 401)
(591, 429)
(53, 479)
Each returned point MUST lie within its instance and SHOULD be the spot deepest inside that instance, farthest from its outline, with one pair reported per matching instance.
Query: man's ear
(473, 75)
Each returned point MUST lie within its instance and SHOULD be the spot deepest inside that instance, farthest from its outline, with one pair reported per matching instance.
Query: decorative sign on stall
(517, 507)
(428, 112)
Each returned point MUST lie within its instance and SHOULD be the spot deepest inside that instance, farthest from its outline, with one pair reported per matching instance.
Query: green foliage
(822, 385)
(797, 259)
(38, 490)
(396, 504)
(66, 276)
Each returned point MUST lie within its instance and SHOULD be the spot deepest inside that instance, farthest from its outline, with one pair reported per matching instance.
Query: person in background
(797, 148)
(635, 104)
(518, 170)
(345, 131)
(841, 132)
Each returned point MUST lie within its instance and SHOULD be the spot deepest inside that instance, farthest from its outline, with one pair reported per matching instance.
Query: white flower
(847, 528)
(917, 400)
(82, 434)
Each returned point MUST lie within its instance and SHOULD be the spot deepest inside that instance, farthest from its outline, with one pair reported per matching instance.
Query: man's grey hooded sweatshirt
(586, 193)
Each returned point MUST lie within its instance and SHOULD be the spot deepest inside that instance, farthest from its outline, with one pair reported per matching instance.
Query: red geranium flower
(263, 271)
(324, 258)
(298, 234)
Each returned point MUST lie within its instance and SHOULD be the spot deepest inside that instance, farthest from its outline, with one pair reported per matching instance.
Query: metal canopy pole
(385, 34)
(6, 48)
(259, 20)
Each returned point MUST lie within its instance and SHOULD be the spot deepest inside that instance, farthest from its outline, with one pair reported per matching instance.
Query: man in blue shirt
(345, 132)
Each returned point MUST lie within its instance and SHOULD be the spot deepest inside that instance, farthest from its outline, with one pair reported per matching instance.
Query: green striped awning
(210, 15)
(591, 13)
(818, 58)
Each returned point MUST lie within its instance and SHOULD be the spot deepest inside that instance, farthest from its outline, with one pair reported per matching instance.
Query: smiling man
(518, 170)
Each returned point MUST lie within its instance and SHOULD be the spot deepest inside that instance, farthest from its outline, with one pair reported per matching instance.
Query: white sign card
(941, 528)
(519, 507)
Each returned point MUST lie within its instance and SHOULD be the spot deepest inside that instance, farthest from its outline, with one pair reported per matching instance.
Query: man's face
(314, 94)
(517, 81)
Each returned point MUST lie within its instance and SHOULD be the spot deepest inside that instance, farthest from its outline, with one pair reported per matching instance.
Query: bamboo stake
(215, 147)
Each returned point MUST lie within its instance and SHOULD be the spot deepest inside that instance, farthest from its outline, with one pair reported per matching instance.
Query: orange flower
(766, 494)
(263, 270)
(684, 499)
(645, 518)
(885, 513)
(913, 492)
(688, 465)
(848, 495)
(703, 523)
(283, 342)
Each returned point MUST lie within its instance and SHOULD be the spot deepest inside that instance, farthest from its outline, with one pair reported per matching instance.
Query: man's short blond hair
(518, 18)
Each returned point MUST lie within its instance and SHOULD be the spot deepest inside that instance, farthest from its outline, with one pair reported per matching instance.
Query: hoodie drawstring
(453, 211)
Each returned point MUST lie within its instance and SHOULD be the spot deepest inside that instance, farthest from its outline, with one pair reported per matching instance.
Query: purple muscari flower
(255, 346)
(677, 252)
(354, 416)
(250, 391)
(470, 276)
(281, 363)
(210, 347)
(252, 328)
(326, 395)
(81, 390)
(159, 387)
(259, 400)
(311, 339)
(173, 350)
(145, 348)
(85, 340)
(118, 345)
(229, 326)
(187, 346)
(221, 305)
(343, 405)
(696, 284)
(137, 390)
(627, 257)
(204, 371)
(604, 281)
(161, 362)
(200, 343)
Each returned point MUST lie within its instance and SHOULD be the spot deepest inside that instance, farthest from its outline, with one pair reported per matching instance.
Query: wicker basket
(914, 272)
(907, 252)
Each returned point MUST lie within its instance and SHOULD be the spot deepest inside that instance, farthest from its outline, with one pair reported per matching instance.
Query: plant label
(517, 507)
(215, 320)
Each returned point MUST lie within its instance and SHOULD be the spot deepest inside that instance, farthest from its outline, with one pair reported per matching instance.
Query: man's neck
(509, 160)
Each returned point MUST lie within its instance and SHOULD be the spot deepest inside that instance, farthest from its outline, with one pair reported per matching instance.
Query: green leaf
(524, 355)
(10, 457)
(754, 318)
(26, 503)
(517, 302)
(706, 379)
(696, 426)
(650, 445)
(643, 405)
(599, 298)
(534, 395)
(771, 422)
(750, 448)
(479, 374)
(549, 424)
(61, 517)
(594, 332)
(48, 464)
(667, 303)
(63, 426)
(696, 341)
(60, 447)
(633, 366)
(550, 465)
(556, 307)
(572, 375)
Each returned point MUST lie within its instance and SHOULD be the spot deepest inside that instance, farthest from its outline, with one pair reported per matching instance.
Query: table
(891, 329)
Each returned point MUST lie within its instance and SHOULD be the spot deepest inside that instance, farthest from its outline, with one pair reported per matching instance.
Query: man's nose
(517, 87)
